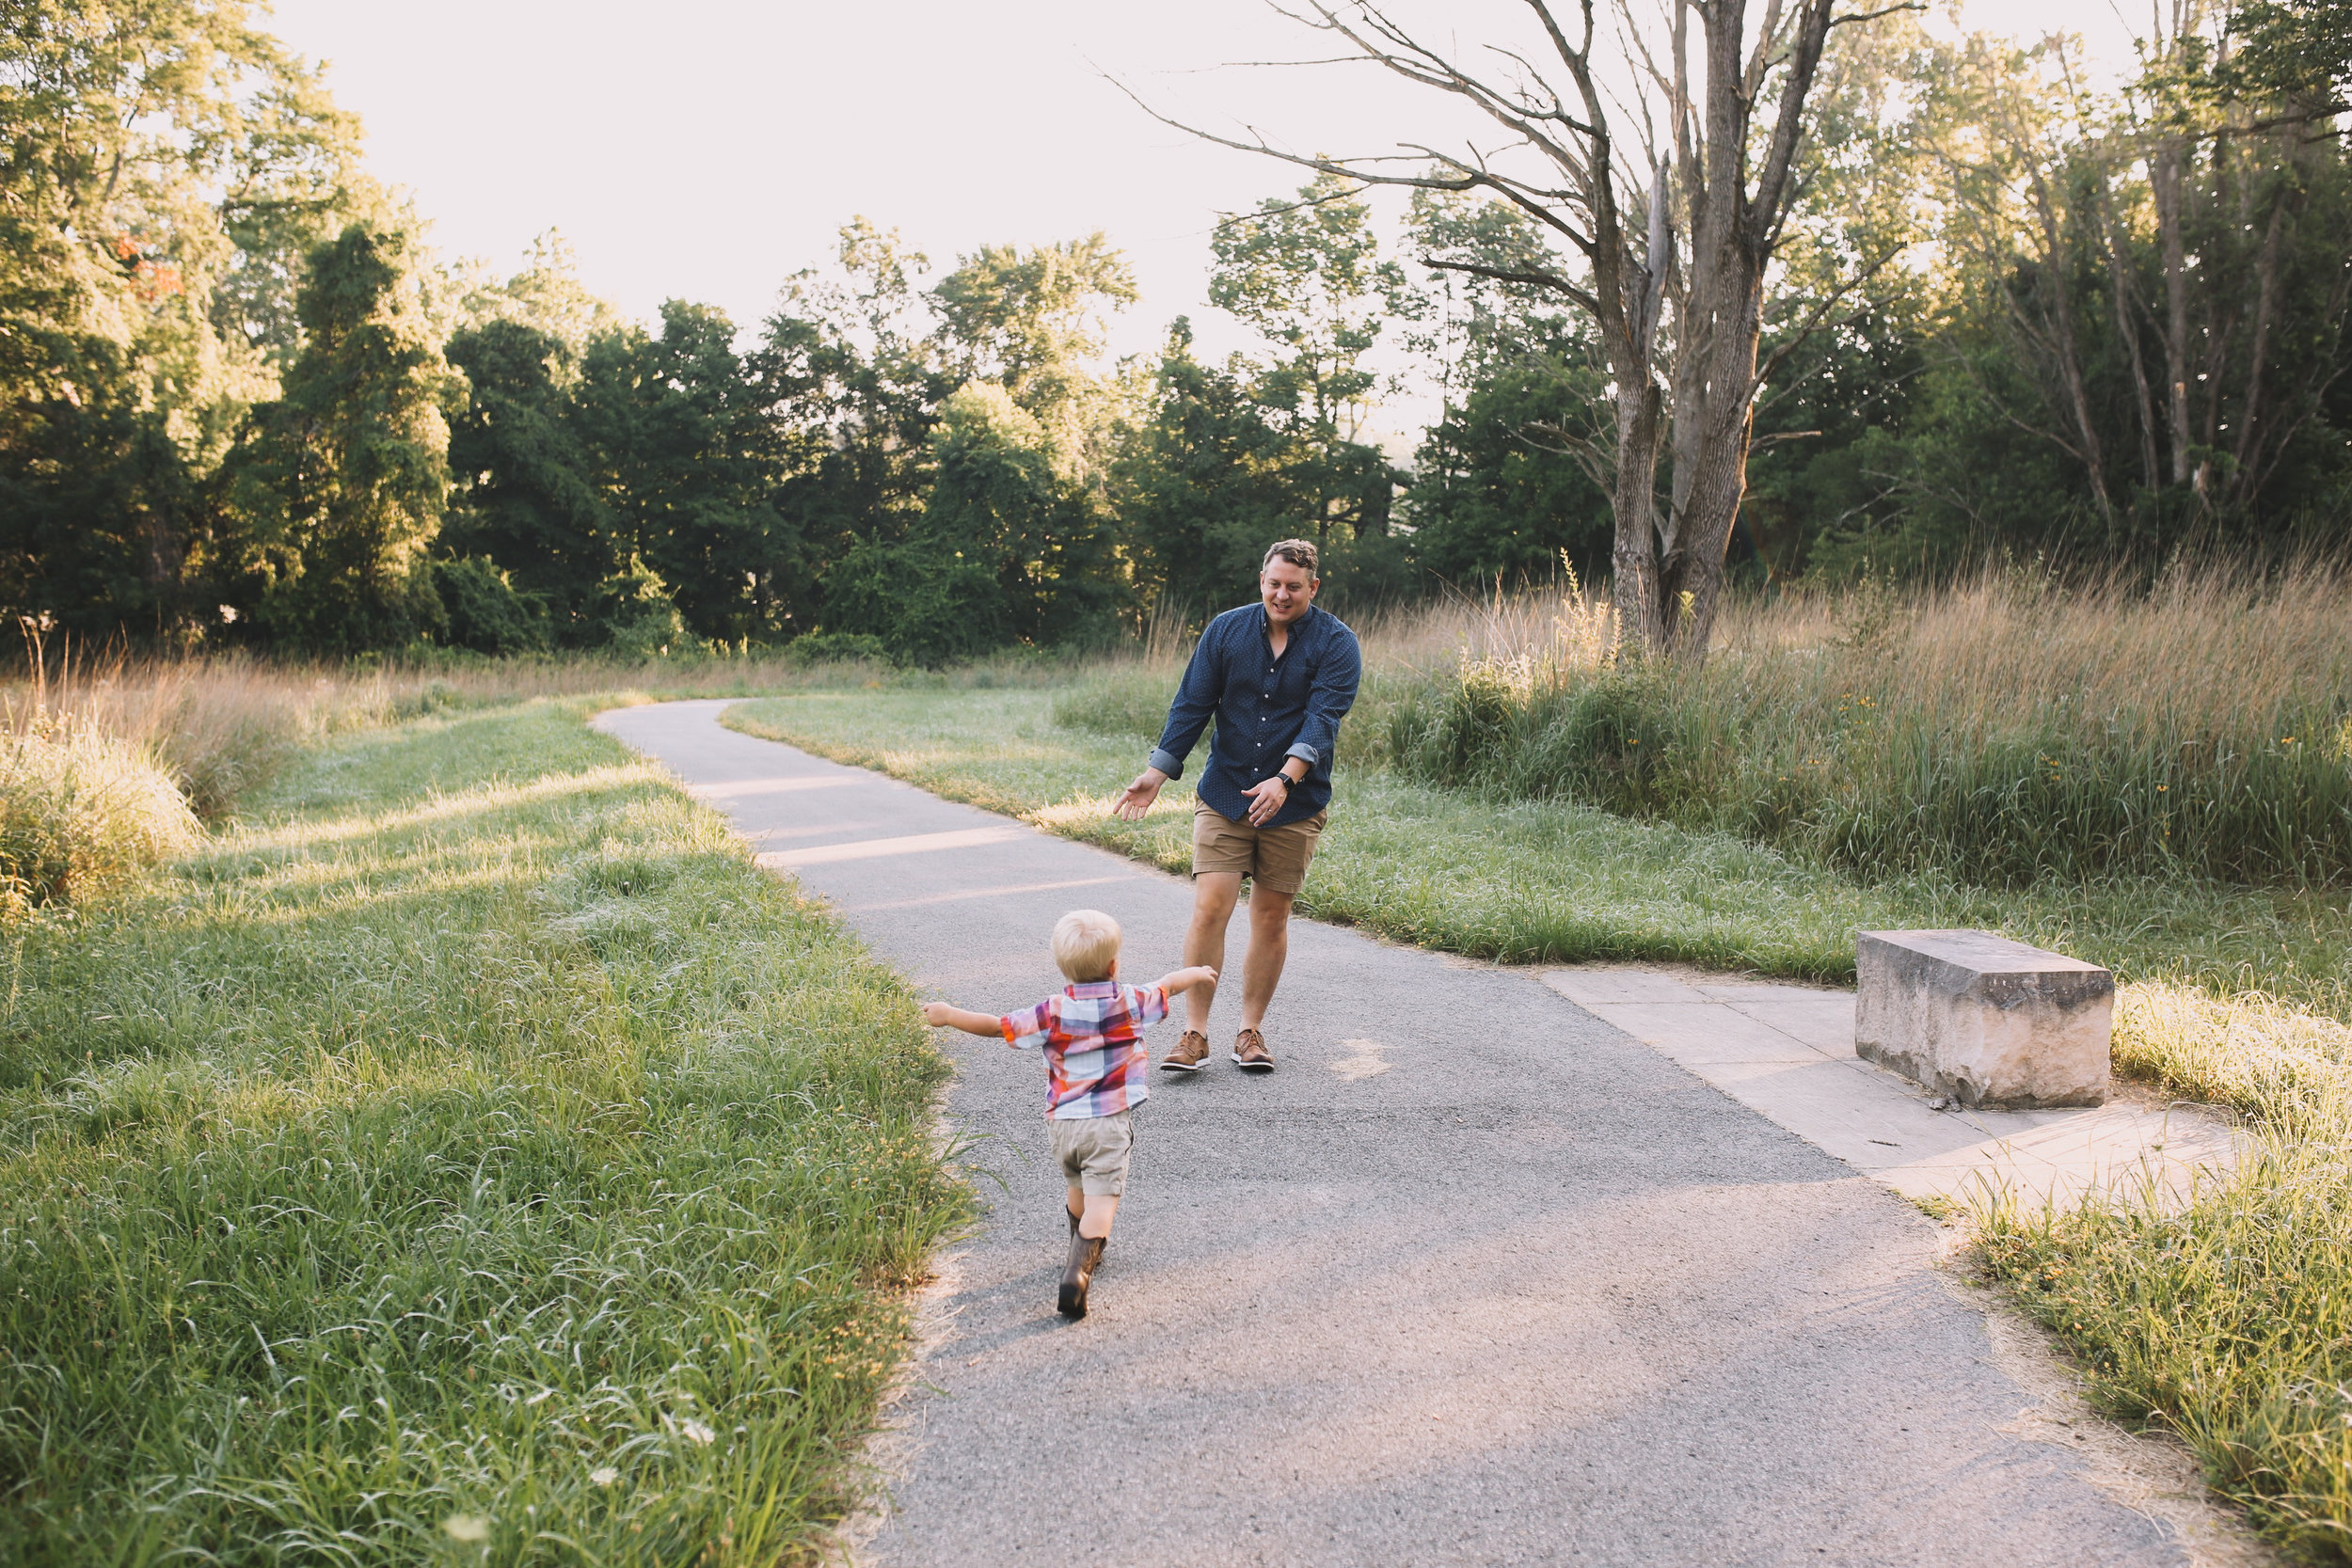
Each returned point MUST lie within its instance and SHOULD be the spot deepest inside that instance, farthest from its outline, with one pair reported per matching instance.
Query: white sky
(706, 149)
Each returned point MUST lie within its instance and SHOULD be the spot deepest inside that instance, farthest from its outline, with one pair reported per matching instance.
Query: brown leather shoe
(1190, 1056)
(1250, 1051)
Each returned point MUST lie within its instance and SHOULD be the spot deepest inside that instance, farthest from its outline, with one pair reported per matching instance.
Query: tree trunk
(2069, 349)
(2118, 277)
(2167, 182)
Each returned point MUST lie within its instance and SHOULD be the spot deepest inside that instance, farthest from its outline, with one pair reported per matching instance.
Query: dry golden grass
(220, 724)
(2006, 729)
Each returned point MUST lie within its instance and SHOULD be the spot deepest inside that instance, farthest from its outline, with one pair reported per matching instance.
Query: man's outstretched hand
(1139, 795)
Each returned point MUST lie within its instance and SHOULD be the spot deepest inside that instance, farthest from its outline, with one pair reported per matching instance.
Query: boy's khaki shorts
(1093, 1151)
(1275, 859)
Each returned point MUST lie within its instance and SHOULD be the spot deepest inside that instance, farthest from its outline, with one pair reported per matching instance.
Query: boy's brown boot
(1086, 1252)
(1190, 1056)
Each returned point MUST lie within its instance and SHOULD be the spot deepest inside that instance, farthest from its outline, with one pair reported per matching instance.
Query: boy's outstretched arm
(939, 1015)
(1185, 980)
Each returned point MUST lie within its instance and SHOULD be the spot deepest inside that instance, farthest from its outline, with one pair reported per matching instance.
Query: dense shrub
(486, 612)
(1999, 731)
(80, 808)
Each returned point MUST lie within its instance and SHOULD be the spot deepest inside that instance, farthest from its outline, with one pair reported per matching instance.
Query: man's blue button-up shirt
(1267, 708)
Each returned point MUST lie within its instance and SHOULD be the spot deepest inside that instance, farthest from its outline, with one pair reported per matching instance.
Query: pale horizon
(710, 157)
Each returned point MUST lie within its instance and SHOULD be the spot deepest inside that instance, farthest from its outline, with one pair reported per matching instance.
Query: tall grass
(467, 1156)
(80, 809)
(2227, 1319)
(2003, 730)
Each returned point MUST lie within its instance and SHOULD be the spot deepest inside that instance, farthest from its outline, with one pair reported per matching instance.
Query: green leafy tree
(681, 445)
(1511, 478)
(159, 158)
(1035, 321)
(1006, 550)
(1306, 274)
(634, 614)
(850, 375)
(484, 610)
(1201, 485)
(526, 494)
(341, 483)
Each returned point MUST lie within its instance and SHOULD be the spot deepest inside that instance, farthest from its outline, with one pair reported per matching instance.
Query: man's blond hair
(1299, 552)
(1085, 944)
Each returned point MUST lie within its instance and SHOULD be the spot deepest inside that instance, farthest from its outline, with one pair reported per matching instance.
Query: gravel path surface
(1471, 1278)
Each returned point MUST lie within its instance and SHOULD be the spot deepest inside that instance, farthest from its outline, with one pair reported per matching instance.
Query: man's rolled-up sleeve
(1327, 702)
(1188, 715)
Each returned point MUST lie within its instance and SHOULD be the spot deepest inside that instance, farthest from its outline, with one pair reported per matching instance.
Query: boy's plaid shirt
(1095, 1064)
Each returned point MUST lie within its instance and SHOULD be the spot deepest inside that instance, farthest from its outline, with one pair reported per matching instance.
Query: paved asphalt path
(1471, 1278)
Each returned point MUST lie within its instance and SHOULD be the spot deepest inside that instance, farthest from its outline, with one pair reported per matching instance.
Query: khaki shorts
(1274, 858)
(1093, 1151)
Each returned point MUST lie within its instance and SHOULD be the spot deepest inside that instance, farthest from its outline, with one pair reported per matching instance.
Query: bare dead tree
(1612, 146)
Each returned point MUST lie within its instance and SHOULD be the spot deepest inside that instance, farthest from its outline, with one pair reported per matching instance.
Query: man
(1279, 675)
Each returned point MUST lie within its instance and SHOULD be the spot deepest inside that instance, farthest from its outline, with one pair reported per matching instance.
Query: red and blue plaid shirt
(1095, 1064)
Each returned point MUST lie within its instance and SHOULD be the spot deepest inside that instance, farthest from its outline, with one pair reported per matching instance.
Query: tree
(1504, 483)
(526, 492)
(159, 158)
(850, 380)
(1717, 165)
(1306, 275)
(679, 437)
(2149, 289)
(341, 483)
(1199, 486)
(1006, 550)
(1033, 321)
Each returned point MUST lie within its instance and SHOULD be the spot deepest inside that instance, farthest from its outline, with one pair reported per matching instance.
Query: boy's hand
(939, 1015)
(1139, 795)
(1185, 980)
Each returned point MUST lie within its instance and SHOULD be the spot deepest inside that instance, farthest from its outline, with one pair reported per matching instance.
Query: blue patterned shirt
(1267, 708)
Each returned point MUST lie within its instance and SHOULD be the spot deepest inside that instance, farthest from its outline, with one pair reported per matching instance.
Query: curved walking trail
(1473, 1277)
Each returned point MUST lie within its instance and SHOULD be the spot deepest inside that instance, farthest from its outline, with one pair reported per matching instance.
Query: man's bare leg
(1269, 949)
(1213, 895)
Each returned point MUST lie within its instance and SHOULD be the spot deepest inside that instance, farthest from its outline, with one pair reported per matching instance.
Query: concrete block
(1992, 1023)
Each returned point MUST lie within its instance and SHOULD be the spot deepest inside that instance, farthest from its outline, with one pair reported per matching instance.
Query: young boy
(1095, 1072)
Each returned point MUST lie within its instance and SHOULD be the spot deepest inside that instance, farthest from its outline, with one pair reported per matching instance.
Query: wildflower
(466, 1526)
(694, 1431)
(604, 1475)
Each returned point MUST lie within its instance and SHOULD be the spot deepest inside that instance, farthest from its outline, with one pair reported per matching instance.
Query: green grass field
(1556, 882)
(466, 1156)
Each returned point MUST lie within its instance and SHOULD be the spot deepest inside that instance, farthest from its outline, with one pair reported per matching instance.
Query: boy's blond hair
(1085, 944)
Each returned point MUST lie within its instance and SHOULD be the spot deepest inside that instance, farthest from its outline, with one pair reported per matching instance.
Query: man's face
(1287, 589)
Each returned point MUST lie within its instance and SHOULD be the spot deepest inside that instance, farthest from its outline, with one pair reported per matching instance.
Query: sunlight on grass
(474, 1140)
(1553, 881)
(2228, 1319)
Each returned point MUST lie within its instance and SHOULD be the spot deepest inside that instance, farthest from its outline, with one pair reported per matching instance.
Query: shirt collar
(1091, 990)
(1265, 622)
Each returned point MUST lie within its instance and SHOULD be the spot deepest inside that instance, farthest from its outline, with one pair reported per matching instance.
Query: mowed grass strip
(1517, 882)
(470, 1157)
(1551, 882)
